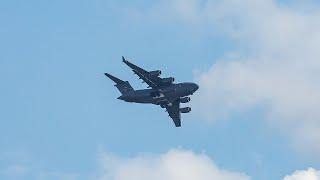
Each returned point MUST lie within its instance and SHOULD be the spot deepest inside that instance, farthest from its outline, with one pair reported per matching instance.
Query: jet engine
(155, 73)
(185, 99)
(169, 80)
(185, 110)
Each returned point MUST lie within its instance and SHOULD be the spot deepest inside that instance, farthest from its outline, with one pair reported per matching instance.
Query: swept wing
(152, 79)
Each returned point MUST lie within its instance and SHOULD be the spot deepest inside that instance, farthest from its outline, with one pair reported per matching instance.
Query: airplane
(162, 91)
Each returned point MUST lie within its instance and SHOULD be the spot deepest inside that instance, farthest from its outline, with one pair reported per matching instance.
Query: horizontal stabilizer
(114, 79)
(123, 86)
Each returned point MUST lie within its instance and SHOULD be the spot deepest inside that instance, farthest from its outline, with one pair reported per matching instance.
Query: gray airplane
(163, 92)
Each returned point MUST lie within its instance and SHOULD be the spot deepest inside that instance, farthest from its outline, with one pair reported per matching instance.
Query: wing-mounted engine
(155, 73)
(185, 110)
(169, 80)
(185, 99)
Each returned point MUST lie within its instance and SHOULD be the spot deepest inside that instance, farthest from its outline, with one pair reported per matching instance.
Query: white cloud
(276, 66)
(173, 165)
(310, 174)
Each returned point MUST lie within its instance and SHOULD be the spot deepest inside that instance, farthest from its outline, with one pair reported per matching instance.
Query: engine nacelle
(185, 99)
(169, 80)
(185, 110)
(155, 73)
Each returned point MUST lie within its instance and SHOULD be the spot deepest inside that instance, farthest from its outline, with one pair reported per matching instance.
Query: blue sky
(58, 110)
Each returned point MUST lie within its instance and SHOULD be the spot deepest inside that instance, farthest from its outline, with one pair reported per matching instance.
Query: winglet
(133, 66)
(114, 79)
(124, 59)
(126, 62)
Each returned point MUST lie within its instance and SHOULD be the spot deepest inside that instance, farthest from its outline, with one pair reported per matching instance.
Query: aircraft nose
(195, 87)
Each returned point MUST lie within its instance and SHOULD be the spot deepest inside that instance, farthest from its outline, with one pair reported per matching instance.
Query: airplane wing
(152, 80)
(174, 113)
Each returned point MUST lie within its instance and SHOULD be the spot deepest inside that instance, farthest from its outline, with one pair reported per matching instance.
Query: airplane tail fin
(123, 86)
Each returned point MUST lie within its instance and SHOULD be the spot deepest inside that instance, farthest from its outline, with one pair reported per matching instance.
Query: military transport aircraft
(163, 92)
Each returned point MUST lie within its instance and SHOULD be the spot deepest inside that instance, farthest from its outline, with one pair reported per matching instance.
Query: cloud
(310, 174)
(176, 164)
(275, 67)
(274, 64)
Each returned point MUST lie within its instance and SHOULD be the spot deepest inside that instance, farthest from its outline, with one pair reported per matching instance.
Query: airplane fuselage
(162, 95)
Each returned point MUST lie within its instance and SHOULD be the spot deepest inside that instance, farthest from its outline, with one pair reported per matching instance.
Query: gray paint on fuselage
(167, 94)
